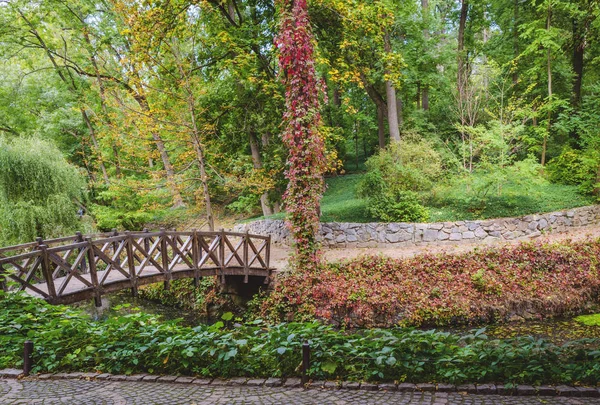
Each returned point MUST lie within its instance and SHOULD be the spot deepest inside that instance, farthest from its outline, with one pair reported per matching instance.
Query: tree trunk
(461, 65)
(381, 108)
(391, 99)
(549, 71)
(257, 162)
(399, 112)
(162, 150)
(597, 186)
(515, 74)
(578, 53)
(425, 98)
(425, 90)
(381, 126)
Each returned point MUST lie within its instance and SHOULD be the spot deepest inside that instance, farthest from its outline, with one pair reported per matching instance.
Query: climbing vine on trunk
(301, 136)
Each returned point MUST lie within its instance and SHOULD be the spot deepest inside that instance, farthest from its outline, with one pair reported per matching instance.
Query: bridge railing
(74, 268)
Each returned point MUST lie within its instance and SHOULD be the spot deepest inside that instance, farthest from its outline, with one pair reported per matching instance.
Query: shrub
(394, 177)
(397, 206)
(565, 168)
(479, 286)
(40, 191)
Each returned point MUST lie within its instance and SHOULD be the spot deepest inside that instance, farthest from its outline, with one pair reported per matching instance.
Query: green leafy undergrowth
(67, 340)
(589, 320)
(485, 285)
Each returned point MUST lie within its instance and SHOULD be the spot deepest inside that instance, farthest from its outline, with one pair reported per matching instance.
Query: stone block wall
(340, 234)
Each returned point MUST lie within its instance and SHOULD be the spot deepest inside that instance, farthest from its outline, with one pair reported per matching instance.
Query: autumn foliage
(495, 284)
(301, 136)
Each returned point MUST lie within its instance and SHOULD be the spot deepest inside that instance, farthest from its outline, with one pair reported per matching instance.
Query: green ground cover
(66, 339)
(341, 203)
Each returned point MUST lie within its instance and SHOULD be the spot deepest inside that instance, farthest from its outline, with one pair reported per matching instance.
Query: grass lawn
(340, 203)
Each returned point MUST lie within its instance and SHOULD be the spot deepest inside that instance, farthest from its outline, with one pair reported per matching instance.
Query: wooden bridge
(73, 269)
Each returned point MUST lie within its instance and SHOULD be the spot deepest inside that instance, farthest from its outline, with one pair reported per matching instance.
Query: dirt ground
(280, 254)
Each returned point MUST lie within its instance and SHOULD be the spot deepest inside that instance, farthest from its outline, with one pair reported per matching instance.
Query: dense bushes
(67, 340)
(394, 177)
(40, 192)
(484, 285)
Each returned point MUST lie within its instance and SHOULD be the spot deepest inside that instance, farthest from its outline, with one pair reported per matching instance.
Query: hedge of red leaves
(485, 285)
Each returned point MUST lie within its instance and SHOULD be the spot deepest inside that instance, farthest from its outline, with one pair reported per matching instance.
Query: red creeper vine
(301, 136)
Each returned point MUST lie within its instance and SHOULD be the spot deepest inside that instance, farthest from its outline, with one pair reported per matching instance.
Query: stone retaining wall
(334, 234)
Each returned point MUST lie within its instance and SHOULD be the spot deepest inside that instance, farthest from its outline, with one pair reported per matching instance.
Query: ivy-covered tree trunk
(301, 136)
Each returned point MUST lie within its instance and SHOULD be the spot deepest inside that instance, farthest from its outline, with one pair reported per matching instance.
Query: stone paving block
(406, 387)
(151, 378)
(60, 376)
(565, 391)
(369, 387)
(166, 378)
(89, 376)
(292, 383)
(469, 388)
(10, 373)
(202, 381)
(316, 384)
(446, 387)
(74, 376)
(184, 380)
(331, 385)
(505, 390)
(257, 382)
(426, 387)
(103, 376)
(589, 392)
(45, 376)
(237, 381)
(273, 382)
(136, 377)
(546, 390)
(525, 390)
(351, 385)
(388, 387)
(486, 389)
(219, 382)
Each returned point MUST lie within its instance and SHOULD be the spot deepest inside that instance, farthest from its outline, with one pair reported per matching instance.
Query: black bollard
(305, 362)
(27, 357)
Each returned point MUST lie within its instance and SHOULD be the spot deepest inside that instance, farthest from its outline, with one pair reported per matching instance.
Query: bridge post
(195, 257)
(79, 239)
(222, 254)
(131, 264)
(115, 245)
(3, 284)
(146, 241)
(93, 273)
(165, 258)
(246, 265)
(48, 273)
(268, 260)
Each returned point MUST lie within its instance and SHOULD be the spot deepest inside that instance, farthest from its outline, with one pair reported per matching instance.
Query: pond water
(122, 303)
(558, 331)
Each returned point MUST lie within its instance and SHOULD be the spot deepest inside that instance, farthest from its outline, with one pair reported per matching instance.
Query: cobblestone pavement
(74, 392)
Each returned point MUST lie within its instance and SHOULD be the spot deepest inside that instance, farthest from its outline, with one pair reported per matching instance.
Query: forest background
(125, 114)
